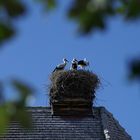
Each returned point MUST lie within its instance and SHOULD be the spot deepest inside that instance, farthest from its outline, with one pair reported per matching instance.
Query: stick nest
(73, 84)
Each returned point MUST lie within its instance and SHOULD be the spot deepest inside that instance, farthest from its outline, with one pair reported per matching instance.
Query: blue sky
(44, 39)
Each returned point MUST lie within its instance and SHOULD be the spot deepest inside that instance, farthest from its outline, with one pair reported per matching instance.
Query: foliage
(91, 14)
(135, 69)
(6, 32)
(9, 10)
(48, 4)
(15, 110)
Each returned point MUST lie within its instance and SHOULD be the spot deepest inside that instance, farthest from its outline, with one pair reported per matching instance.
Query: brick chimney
(72, 92)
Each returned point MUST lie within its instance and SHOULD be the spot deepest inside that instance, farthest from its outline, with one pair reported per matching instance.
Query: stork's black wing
(81, 62)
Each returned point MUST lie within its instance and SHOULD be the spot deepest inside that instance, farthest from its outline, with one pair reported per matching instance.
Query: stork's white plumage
(83, 63)
(61, 66)
(74, 64)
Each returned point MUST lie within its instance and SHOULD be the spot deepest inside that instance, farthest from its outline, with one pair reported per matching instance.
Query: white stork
(83, 63)
(74, 64)
(61, 66)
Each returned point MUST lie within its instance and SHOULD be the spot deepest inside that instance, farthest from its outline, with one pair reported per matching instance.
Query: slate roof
(100, 125)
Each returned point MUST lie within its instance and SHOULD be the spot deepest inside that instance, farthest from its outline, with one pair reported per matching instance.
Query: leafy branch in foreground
(9, 11)
(93, 14)
(15, 110)
(89, 14)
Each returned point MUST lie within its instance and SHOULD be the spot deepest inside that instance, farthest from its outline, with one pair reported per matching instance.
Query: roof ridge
(37, 107)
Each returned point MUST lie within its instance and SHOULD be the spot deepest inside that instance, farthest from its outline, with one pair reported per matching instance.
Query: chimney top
(72, 92)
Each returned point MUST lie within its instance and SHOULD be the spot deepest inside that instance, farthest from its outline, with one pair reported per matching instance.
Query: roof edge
(105, 116)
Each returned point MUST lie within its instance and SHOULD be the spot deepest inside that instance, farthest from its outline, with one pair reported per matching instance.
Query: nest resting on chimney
(73, 84)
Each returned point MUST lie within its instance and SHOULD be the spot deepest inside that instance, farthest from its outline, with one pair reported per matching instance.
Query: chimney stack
(72, 92)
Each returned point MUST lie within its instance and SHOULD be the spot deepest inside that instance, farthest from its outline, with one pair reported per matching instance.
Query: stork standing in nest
(61, 66)
(74, 64)
(83, 63)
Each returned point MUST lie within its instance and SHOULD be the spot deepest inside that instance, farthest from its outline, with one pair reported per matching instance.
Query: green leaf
(133, 9)
(24, 91)
(121, 10)
(51, 4)
(21, 87)
(6, 32)
(48, 4)
(12, 111)
(24, 118)
(91, 15)
(14, 8)
(134, 69)
(4, 119)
